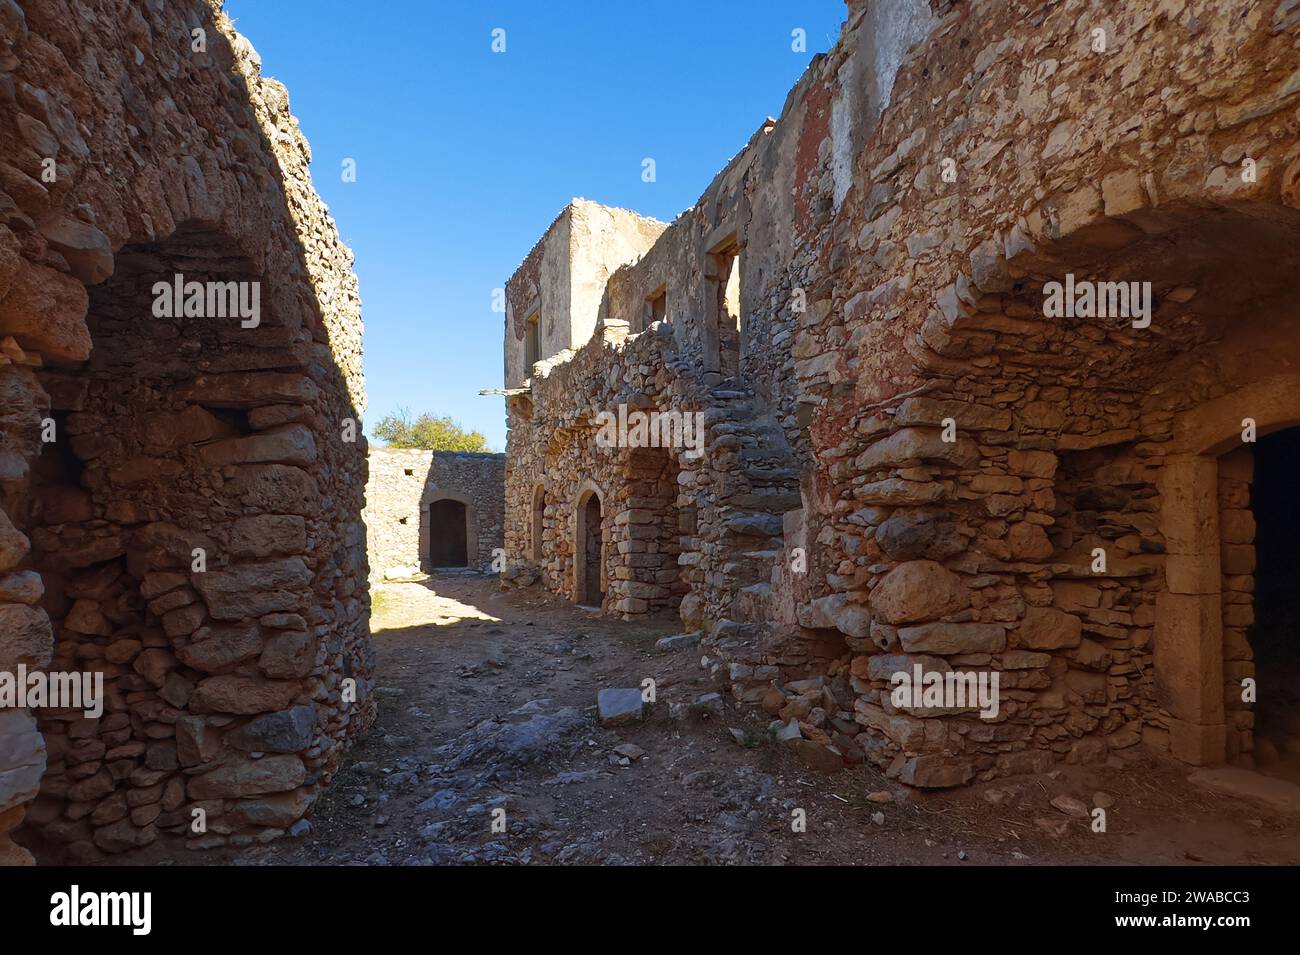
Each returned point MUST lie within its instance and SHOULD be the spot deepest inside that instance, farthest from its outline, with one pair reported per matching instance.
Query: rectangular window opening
(726, 306)
(532, 343)
(657, 306)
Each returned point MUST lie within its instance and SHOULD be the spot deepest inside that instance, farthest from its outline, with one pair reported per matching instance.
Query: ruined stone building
(181, 477)
(433, 509)
(992, 333)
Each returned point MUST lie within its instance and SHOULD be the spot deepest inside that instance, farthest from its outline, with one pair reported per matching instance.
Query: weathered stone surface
(819, 757)
(250, 389)
(197, 741)
(920, 444)
(935, 772)
(85, 248)
(14, 545)
(241, 694)
(950, 638)
(164, 433)
(292, 444)
(1046, 628)
(279, 811)
(251, 590)
(215, 648)
(45, 312)
(754, 525)
(288, 731)
(274, 489)
(883, 666)
(619, 707)
(249, 777)
(22, 758)
(908, 536)
(680, 641)
(968, 416)
(21, 587)
(916, 591)
(268, 535)
(154, 476)
(1028, 542)
(26, 637)
(289, 654)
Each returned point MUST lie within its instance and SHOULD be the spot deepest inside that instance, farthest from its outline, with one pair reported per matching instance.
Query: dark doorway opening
(726, 308)
(593, 590)
(539, 514)
(447, 540)
(1275, 635)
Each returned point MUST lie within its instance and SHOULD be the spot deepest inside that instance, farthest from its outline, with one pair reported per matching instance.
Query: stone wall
(180, 496)
(1074, 436)
(553, 462)
(402, 485)
(562, 280)
(922, 464)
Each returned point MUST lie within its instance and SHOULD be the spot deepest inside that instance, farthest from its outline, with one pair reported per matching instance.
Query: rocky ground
(487, 702)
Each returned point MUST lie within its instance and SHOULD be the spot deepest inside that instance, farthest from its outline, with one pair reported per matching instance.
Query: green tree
(427, 432)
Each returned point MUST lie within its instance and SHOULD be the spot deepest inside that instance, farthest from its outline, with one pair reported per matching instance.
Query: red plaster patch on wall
(807, 169)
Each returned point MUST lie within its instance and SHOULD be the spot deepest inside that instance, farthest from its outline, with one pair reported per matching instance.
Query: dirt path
(487, 702)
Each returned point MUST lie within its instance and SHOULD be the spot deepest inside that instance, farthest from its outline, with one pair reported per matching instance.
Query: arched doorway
(178, 516)
(448, 540)
(588, 552)
(539, 510)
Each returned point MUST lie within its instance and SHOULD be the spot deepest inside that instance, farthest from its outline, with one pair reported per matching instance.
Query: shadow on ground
(487, 715)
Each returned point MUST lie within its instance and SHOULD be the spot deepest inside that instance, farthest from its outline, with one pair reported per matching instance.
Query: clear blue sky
(464, 156)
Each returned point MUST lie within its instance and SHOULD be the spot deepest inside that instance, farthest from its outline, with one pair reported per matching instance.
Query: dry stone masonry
(181, 471)
(992, 333)
(427, 509)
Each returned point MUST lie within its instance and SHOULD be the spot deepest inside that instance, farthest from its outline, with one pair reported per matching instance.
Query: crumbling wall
(986, 485)
(402, 485)
(182, 491)
(562, 279)
(773, 203)
(553, 445)
(1123, 162)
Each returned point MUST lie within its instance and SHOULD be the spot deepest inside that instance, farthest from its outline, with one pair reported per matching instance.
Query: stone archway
(589, 547)
(169, 518)
(1087, 474)
(434, 528)
(646, 534)
(179, 505)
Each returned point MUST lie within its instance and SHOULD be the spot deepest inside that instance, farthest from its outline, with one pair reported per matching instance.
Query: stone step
(734, 633)
(772, 502)
(750, 567)
(743, 571)
(774, 477)
(753, 524)
(750, 455)
(680, 641)
(752, 604)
